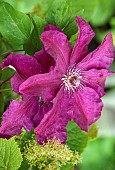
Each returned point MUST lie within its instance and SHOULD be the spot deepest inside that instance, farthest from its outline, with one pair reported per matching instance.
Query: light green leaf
(23, 5)
(73, 39)
(10, 156)
(104, 9)
(76, 138)
(88, 8)
(15, 26)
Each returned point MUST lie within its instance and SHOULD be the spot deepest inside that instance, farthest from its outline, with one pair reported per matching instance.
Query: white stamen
(73, 79)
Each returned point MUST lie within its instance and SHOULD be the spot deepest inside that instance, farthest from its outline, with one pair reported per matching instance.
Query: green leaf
(15, 26)
(7, 74)
(23, 5)
(1, 105)
(67, 167)
(104, 9)
(62, 14)
(76, 138)
(71, 28)
(24, 166)
(84, 5)
(34, 43)
(73, 39)
(4, 46)
(23, 138)
(59, 13)
(10, 156)
(93, 131)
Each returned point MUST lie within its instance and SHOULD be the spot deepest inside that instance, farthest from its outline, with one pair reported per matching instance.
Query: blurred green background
(100, 153)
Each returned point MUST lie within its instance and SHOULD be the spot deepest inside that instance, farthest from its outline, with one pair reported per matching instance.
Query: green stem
(4, 90)
(10, 51)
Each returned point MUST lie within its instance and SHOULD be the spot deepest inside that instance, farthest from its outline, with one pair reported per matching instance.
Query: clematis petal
(43, 109)
(51, 27)
(101, 58)
(16, 81)
(54, 122)
(85, 35)
(45, 60)
(4, 136)
(18, 115)
(42, 85)
(57, 46)
(26, 66)
(87, 107)
(96, 79)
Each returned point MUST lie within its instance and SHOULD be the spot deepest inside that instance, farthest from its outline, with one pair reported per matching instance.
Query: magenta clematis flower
(76, 84)
(24, 113)
(29, 112)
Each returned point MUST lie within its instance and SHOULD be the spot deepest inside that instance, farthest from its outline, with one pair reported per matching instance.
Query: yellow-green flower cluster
(52, 155)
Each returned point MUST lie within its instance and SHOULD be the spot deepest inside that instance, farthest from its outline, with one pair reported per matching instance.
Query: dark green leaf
(4, 46)
(24, 166)
(1, 105)
(7, 74)
(15, 26)
(23, 138)
(34, 43)
(76, 138)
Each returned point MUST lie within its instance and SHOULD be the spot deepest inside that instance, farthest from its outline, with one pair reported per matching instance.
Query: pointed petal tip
(109, 37)
(108, 41)
(78, 18)
(80, 21)
(51, 27)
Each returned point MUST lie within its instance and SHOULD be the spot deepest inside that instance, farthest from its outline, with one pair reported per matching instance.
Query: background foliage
(22, 30)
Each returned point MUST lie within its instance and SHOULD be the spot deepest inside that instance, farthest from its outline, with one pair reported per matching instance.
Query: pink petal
(100, 58)
(96, 79)
(57, 46)
(45, 60)
(85, 35)
(42, 85)
(26, 66)
(18, 115)
(4, 136)
(43, 109)
(54, 122)
(16, 81)
(87, 107)
(51, 27)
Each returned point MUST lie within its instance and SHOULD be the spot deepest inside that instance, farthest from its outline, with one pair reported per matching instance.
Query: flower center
(72, 79)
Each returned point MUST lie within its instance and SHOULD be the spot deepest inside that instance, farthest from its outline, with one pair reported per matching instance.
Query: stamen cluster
(72, 79)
